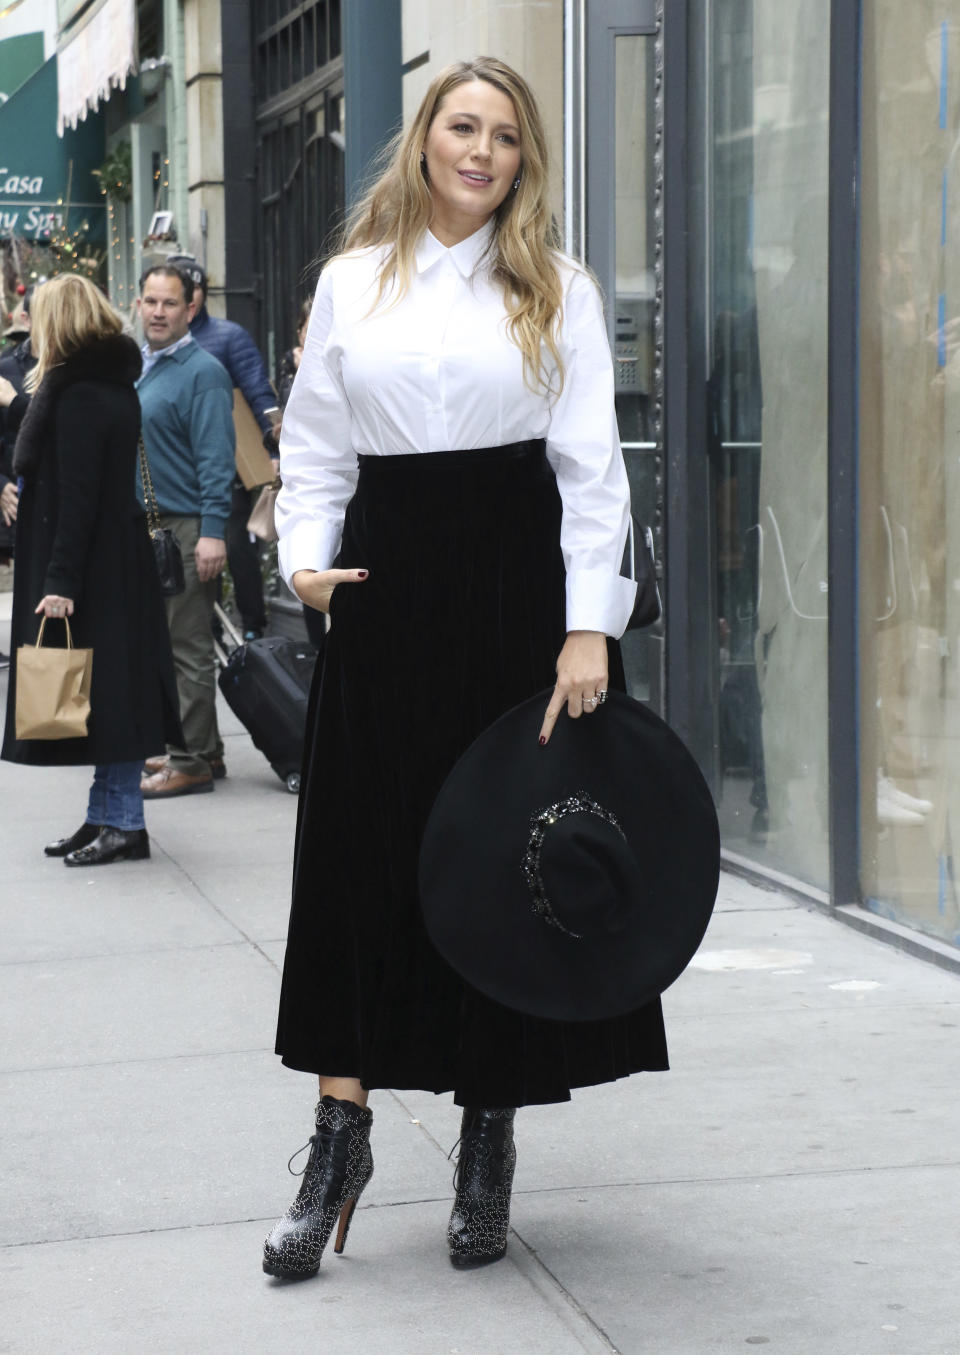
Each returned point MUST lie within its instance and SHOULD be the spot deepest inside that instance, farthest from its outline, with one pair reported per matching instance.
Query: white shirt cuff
(599, 600)
(308, 545)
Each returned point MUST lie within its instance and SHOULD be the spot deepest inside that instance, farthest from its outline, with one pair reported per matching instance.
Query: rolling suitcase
(266, 684)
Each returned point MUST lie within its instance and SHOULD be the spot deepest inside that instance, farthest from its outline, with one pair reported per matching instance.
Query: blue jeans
(115, 797)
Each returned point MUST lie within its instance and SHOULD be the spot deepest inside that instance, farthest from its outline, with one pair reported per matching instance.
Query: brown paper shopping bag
(262, 521)
(253, 464)
(53, 690)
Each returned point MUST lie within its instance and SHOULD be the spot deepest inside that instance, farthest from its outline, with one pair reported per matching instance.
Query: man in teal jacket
(186, 400)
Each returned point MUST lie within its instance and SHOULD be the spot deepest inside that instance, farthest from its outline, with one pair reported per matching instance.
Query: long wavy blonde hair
(66, 314)
(398, 208)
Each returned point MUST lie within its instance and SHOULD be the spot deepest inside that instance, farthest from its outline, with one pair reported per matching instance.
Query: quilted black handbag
(166, 547)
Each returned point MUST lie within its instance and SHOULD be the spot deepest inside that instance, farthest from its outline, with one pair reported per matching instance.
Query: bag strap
(66, 622)
(149, 495)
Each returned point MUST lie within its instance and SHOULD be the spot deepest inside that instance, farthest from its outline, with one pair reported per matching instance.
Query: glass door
(622, 249)
(759, 82)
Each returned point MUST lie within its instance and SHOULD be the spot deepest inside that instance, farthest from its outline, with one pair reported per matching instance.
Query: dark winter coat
(15, 367)
(82, 534)
(232, 346)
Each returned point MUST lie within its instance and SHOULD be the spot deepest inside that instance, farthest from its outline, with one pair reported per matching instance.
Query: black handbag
(648, 608)
(166, 547)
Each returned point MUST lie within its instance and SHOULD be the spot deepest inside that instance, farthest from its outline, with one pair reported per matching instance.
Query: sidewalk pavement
(793, 1182)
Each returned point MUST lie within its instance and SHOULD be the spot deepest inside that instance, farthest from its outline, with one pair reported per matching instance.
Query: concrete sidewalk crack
(588, 1334)
(134, 953)
(147, 1058)
(528, 1250)
(219, 911)
(569, 1310)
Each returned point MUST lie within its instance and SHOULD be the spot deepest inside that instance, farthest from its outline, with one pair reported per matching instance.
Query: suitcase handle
(227, 625)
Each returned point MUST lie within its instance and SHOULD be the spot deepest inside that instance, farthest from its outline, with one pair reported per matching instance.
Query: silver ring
(590, 700)
(601, 697)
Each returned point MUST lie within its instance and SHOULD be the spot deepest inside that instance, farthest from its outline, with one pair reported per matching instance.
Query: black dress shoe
(112, 844)
(84, 834)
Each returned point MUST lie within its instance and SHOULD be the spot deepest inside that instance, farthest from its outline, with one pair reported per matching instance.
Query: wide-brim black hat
(573, 881)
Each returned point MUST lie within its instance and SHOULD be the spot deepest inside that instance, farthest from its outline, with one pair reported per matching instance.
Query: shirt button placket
(445, 297)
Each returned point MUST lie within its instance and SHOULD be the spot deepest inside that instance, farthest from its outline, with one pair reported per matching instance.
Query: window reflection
(909, 473)
(767, 241)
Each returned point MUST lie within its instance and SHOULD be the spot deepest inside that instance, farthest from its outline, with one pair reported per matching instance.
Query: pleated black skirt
(461, 618)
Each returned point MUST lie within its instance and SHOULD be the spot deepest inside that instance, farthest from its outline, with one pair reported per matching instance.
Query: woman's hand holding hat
(581, 678)
(574, 882)
(314, 587)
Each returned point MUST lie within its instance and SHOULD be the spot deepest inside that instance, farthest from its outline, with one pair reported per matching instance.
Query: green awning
(46, 183)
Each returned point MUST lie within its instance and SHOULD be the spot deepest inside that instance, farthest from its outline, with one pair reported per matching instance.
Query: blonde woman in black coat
(83, 552)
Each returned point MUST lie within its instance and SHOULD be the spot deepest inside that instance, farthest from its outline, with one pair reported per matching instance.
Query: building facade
(769, 194)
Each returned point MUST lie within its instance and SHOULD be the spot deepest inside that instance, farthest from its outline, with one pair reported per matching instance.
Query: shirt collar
(171, 348)
(466, 256)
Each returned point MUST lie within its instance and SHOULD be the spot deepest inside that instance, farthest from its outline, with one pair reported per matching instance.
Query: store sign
(34, 219)
(20, 184)
(46, 184)
(35, 223)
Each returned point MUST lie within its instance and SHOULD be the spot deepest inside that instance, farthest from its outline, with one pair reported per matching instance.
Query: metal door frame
(601, 25)
(688, 698)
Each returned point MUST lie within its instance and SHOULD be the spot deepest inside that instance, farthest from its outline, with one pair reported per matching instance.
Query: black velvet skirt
(461, 618)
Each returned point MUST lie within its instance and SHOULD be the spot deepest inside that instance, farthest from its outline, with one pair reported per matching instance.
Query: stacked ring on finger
(601, 697)
(590, 700)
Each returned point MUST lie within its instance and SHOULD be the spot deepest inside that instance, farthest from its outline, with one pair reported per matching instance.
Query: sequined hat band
(580, 803)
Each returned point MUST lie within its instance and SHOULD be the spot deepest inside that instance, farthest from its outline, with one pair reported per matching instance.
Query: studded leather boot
(481, 1211)
(338, 1168)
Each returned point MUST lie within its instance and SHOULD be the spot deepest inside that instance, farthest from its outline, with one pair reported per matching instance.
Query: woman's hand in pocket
(314, 587)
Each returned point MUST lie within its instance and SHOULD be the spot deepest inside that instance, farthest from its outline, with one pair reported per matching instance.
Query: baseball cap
(187, 263)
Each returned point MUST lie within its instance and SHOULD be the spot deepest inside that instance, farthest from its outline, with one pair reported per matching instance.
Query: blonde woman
(455, 497)
(83, 553)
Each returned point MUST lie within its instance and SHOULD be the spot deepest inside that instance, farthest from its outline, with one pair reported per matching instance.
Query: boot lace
(456, 1166)
(309, 1143)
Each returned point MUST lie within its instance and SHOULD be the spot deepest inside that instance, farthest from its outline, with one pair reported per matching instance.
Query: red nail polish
(543, 740)
(362, 573)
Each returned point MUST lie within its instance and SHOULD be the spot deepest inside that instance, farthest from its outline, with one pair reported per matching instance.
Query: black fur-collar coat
(81, 533)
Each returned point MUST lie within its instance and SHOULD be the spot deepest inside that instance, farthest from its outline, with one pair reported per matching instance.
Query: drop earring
(516, 183)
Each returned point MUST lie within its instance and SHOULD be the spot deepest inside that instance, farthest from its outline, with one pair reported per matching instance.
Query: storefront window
(909, 482)
(765, 70)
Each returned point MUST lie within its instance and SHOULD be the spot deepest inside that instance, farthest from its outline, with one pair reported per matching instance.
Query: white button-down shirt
(438, 372)
(151, 356)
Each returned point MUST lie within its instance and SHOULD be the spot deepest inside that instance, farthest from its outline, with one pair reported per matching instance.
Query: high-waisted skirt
(460, 618)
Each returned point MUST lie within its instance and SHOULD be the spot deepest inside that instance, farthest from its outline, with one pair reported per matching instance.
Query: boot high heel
(337, 1171)
(477, 1233)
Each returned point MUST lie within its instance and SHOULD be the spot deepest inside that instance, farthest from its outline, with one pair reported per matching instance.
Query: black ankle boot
(111, 844)
(84, 834)
(481, 1211)
(338, 1168)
